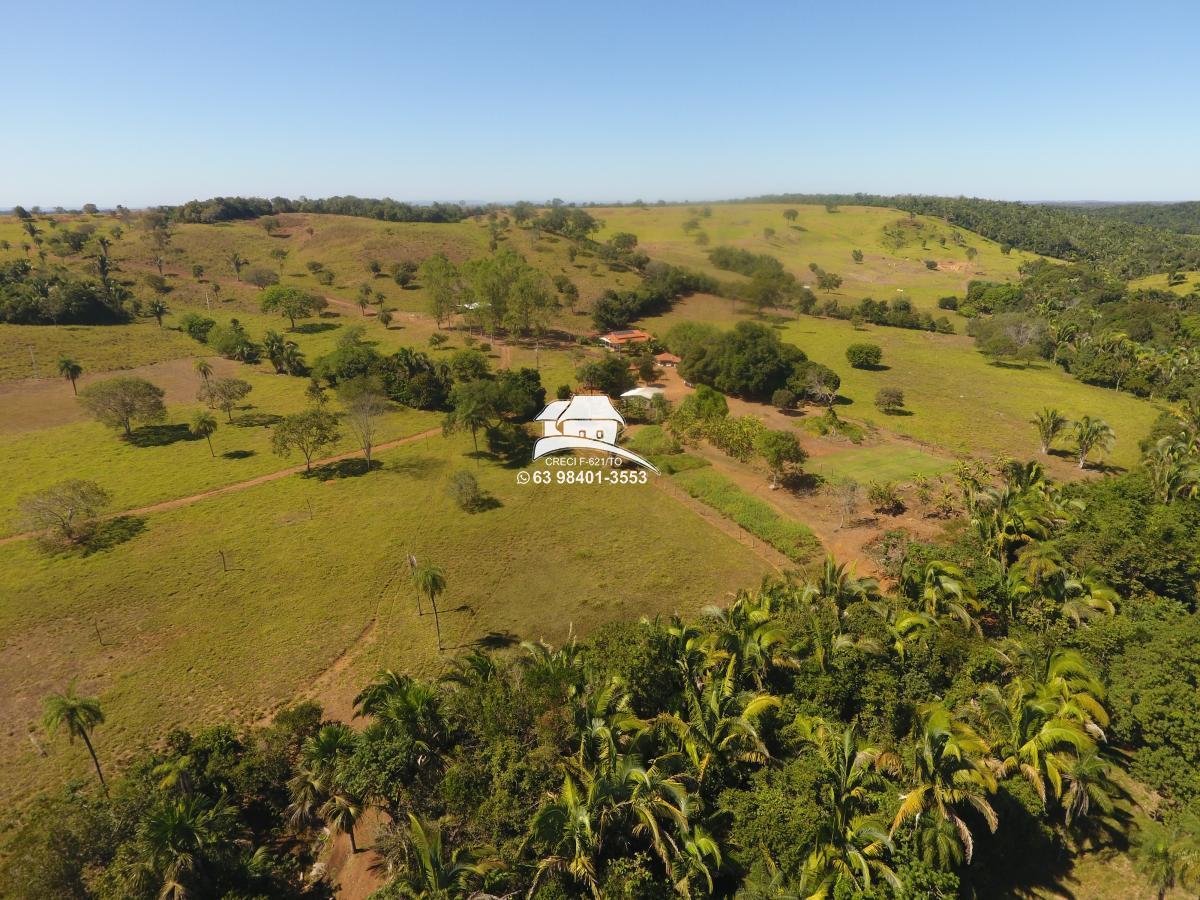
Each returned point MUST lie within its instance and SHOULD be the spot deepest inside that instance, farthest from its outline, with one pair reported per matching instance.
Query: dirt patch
(33, 405)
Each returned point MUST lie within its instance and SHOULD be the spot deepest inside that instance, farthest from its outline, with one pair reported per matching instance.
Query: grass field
(171, 464)
(881, 463)
(165, 637)
(956, 399)
(888, 269)
(1159, 283)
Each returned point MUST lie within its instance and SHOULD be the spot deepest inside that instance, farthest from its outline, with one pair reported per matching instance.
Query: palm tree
(1092, 434)
(431, 581)
(720, 726)
(1050, 423)
(308, 793)
(947, 771)
(323, 751)
(385, 318)
(178, 837)
(431, 870)
(78, 716)
(175, 774)
(203, 425)
(851, 841)
(903, 626)
(204, 369)
(943, 591)
(1029, 737)
(236, 261)
(70, 370)
(341, 813)
(1172, 469)
(1169, 856)
(839, 585)
(158, 308)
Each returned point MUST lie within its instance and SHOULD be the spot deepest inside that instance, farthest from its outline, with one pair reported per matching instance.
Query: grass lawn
(956, 399)
(1159, 283)
(96, 347)
(884, 463)
(169, 463)
(890, 268)
(165, 637)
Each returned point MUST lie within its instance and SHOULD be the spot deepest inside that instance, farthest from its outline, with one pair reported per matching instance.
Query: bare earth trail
(243, 485)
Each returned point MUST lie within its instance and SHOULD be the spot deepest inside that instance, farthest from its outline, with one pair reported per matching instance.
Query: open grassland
(343, 245)
(890, 268)
(165, 637)
(1158, 282)
(29, 351)
(887, 462)
(956, 399)
(163, 462)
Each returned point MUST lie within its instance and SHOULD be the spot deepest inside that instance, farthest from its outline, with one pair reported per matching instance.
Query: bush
(931, 264)
(563, 392)
(947, 302)
(197, 326)
(864, 356)
(465, 491)
(885, 498)
(783, 399)
(889, 400)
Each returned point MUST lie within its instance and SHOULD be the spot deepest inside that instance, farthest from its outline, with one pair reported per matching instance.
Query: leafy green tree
(70, 369)
(443, 286)
(203, 425)
(310, 432)
(121, 401)
(158, 308)
(781, 451)
(864, 356)
(78, 717)
(432, 870)
(889, 400)
(224, 394)
(292, 303)
(609, 375)
(1168, 856)
(473, 406)
(236, 262)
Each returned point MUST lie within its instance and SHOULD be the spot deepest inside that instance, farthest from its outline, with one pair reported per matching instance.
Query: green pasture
(957, 399)
(884, 463)
(826, 239)
(165, 636)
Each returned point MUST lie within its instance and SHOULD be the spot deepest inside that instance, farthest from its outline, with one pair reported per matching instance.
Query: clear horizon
(681, 103)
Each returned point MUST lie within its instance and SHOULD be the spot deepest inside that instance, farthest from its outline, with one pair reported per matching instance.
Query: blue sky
(140, 103)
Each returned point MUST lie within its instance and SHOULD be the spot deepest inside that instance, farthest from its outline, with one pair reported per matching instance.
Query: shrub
(563, 392)
(261, 278)
(885, 498)
(196, 326)
(931, 264)
(864, 356)
(948, 302)
(889, 400)
(783, 399)
(465, 491)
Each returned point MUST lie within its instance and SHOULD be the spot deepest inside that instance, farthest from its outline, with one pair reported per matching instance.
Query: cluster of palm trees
(648, 784)
(1173, 461)
(1089, 433)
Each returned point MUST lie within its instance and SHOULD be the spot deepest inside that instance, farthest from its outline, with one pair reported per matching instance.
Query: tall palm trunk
(353, 845)
(437, 622)
(95, 761)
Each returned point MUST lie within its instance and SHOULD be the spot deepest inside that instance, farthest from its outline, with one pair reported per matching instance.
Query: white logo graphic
(585, 422)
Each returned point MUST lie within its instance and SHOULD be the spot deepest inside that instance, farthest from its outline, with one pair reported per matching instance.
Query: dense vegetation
(224, 209)
(1097, 328)
(58, 297)
(1181, 217)
(1119, 244)
(962, 734)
